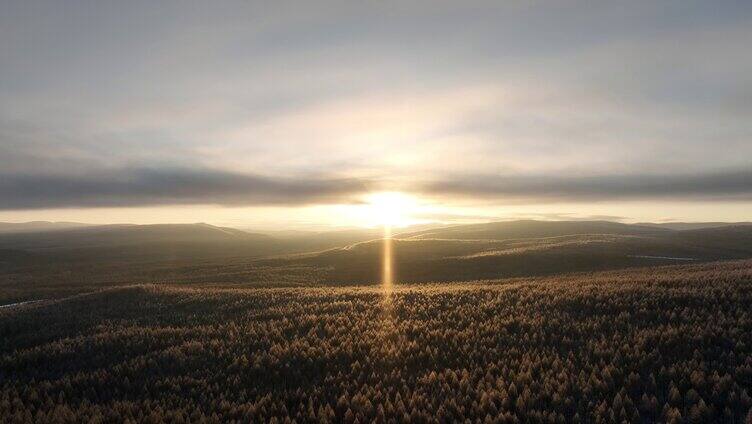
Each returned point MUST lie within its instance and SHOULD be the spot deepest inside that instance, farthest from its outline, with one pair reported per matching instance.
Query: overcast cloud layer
(267, 103)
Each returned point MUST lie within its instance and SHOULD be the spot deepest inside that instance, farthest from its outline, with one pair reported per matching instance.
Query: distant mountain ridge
(692, 225)
(35, 226)
(157, 241)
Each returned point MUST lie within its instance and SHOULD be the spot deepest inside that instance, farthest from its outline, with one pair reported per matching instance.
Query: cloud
(727, 185)
(128, 187)
(142, 187)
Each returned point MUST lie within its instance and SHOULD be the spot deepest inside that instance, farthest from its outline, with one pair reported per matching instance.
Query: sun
(390, 209)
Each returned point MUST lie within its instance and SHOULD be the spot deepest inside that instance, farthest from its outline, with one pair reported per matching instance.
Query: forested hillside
(667, 344)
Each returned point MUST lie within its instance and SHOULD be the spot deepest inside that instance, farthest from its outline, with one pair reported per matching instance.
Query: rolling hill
(524, 248)
(530, 229)
(53, 263)
(125, 235)
(38, 226)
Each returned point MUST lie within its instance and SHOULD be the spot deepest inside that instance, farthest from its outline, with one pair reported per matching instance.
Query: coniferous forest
(668, 344)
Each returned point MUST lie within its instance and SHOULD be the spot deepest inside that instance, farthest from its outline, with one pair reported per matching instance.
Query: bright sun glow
(390, 209)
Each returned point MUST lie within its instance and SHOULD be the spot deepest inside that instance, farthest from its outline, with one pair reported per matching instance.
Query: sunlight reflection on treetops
(390, 349)
(387, 258)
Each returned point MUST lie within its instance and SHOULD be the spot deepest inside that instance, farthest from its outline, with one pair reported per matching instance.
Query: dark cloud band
(150, 187)
(730, 185)
(143, 187)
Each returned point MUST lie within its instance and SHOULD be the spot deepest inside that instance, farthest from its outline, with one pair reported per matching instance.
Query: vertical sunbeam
(387, 271)
(388, 330)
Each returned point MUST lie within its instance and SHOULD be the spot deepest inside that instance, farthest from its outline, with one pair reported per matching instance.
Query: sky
(317, 114)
